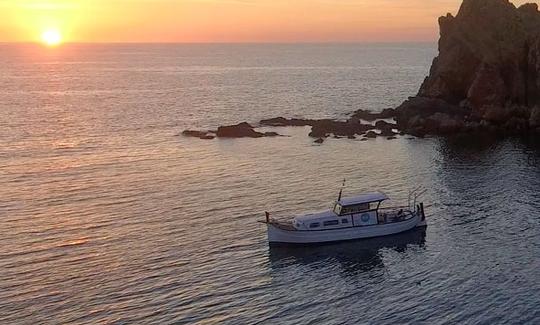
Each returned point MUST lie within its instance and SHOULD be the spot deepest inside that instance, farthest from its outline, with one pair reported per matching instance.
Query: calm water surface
(108, 216)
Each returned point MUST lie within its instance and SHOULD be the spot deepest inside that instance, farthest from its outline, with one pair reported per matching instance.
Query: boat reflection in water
(353, 256)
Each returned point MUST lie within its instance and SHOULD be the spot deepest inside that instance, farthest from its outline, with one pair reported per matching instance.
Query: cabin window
(314, 225)
(337, 209)
(344, 220)
(352, 209)
(359, 208)
(331, 223)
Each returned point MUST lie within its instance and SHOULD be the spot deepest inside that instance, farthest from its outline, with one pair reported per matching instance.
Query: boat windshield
(343, 210)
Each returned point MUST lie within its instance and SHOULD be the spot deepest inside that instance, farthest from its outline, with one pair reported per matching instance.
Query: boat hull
(277, 235)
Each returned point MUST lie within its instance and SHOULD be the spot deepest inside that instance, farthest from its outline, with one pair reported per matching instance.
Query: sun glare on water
(51, 37)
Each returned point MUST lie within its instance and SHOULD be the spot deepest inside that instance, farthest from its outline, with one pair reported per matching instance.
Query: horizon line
(219, 42)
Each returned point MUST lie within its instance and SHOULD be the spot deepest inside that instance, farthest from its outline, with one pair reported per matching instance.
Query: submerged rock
(370, 116)
(198, 134)
(319, 140)
(281, 121)
(372, 135)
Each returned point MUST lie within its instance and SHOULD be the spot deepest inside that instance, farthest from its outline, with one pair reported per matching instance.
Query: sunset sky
(223, 20)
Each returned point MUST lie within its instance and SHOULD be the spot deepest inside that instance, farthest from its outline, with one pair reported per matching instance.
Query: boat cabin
(347, 212)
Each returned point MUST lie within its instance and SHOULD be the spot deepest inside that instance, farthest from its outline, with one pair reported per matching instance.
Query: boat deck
(284, 225)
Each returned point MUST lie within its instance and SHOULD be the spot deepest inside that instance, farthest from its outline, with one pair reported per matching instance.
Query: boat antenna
(341, 190)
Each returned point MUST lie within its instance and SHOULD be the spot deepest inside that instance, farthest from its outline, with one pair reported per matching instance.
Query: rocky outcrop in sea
(320, 128)
(486, 76)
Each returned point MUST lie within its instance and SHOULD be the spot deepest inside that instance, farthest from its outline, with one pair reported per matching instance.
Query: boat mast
(341, 190)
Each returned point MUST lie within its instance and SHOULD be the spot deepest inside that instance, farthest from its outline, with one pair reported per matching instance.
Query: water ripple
(107, 216)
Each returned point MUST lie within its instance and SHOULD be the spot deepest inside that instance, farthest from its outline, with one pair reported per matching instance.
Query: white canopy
(362, 199)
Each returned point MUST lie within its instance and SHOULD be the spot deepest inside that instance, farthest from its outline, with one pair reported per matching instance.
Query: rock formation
(320, 129)
(241, 130)
(487, 74)
(485, 78)
(350, 128)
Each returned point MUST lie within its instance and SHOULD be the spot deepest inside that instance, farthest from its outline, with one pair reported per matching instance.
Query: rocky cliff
(486, 76)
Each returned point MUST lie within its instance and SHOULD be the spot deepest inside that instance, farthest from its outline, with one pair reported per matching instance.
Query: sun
(51, 37)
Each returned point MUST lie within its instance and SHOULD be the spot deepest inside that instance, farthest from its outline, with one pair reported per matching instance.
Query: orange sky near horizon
(224, 20)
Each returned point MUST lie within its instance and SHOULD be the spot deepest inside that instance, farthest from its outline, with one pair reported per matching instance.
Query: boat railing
(414, 195)
(277, 221)
(392, 216)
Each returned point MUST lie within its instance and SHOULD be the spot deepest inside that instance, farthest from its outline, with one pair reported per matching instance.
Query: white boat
(351, 218)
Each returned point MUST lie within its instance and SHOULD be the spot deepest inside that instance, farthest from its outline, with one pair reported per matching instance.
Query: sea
(108, 215)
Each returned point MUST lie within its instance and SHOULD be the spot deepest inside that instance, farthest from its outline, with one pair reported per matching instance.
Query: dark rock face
(242, 130)
(370, 116)
(387, 129)
(487, 71)
(322, 128)
(534, 120)
(420, 115)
